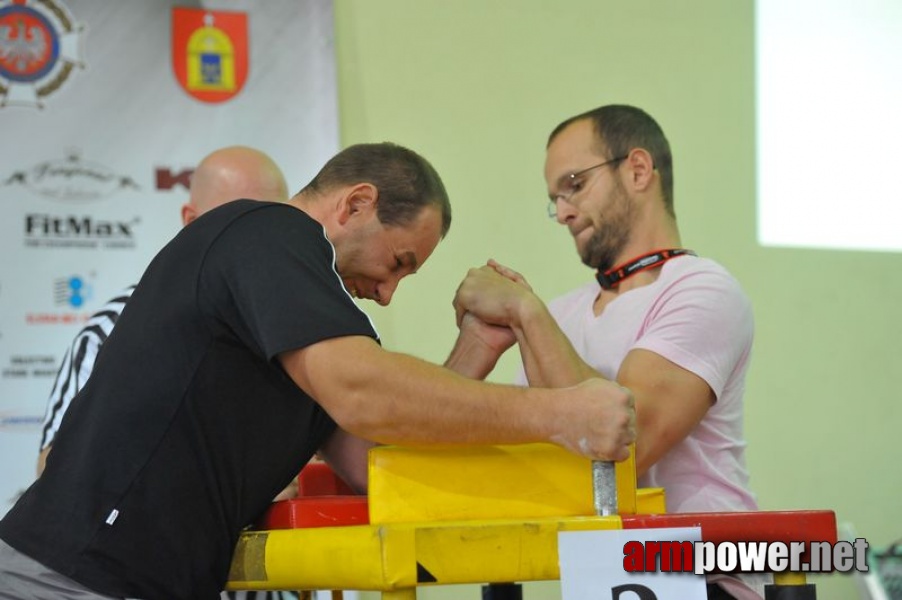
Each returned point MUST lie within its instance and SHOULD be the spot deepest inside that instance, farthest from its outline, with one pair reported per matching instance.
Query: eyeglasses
(569, 185)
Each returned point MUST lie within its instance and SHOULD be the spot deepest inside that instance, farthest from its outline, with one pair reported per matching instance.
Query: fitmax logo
(78, 227)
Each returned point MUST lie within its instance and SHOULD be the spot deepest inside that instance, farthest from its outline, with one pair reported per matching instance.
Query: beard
(612, 234)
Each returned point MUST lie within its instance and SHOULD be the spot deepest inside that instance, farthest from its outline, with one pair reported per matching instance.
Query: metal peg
(604, 487)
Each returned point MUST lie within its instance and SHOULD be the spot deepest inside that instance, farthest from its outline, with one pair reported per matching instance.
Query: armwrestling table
(487, 514)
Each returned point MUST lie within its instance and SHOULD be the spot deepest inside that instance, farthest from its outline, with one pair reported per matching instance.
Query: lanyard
(612, 277)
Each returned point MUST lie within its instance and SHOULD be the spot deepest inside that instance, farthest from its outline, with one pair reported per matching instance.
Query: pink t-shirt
(695, 315)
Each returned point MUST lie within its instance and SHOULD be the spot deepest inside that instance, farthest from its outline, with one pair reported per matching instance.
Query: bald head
(229, 174)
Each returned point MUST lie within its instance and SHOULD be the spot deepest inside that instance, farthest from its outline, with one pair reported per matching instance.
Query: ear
(189, 213)
(357, 201)
(641, 168)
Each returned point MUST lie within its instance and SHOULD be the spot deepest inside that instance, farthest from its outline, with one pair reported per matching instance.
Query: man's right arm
(391, 398)
(501, 297)
(672, 400)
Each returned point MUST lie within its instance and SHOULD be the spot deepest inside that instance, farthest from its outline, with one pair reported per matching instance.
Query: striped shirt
(79, 362)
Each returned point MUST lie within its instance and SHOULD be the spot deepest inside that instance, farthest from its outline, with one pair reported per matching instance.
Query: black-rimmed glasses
(569, 185)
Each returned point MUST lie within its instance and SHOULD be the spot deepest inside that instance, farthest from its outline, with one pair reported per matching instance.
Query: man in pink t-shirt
(674, 328)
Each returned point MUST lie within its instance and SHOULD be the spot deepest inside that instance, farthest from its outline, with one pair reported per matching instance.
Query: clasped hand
(493, 293)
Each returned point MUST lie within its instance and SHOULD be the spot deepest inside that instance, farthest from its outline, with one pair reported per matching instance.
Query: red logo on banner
(167, 179)
(209, 52)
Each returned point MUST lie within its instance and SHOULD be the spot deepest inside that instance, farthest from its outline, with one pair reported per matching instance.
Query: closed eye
(570, 185)
(406, 260)
(573, 185)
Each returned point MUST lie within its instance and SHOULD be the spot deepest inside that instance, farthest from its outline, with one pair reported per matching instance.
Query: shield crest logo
(209, 52)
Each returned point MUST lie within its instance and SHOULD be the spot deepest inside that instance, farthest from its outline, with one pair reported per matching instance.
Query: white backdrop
(97, 137)
(826, 92)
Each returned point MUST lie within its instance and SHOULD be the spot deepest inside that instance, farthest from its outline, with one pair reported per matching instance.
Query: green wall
(477, 85)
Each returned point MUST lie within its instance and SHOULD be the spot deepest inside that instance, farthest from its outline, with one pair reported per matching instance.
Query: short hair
(406, 182)
(619, 128)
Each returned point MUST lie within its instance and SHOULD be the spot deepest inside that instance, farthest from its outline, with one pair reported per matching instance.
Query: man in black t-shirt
(241, 353)
(221, 176)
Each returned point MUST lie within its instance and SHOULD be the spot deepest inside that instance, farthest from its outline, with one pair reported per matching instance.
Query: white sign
(594, 564)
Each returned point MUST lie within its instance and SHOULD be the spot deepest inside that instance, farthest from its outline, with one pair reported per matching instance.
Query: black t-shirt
(188, 426)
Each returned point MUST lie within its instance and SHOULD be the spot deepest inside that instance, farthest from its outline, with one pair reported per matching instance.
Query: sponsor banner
(109, 106)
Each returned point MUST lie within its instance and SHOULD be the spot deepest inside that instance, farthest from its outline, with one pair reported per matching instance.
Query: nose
(385, 291)
(564, 211)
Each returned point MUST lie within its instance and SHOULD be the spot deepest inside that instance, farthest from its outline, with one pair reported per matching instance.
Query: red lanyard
(612, 277)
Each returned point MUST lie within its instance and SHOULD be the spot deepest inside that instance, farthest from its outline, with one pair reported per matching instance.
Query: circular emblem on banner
(40, 45)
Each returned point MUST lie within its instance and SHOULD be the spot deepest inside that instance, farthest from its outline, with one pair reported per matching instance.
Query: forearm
(347, 455)
(392, 398)
(471, 358)
(42, 460)
(398, 399)
(549, 358)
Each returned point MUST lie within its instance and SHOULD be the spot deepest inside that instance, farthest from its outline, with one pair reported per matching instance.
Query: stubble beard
(612, 234)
